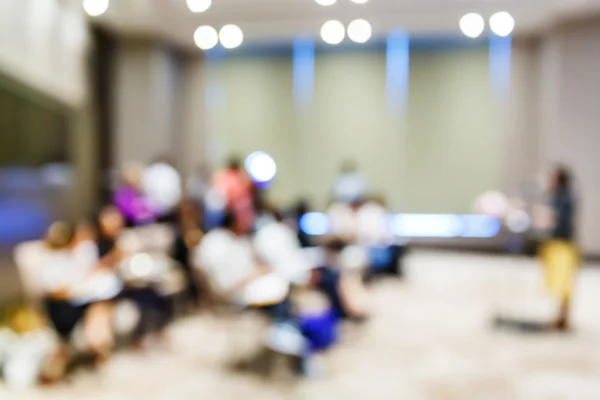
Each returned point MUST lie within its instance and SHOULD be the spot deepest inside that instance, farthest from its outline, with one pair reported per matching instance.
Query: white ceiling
(282, 20)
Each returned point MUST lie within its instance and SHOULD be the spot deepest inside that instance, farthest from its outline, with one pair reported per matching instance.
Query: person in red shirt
(237, 187)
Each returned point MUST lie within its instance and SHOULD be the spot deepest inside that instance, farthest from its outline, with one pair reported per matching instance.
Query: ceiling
(282, 20)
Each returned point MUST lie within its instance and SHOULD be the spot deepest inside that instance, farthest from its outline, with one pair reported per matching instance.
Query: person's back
(277, 245)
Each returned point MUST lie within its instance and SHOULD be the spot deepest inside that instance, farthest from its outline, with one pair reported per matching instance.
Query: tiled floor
(430, 338)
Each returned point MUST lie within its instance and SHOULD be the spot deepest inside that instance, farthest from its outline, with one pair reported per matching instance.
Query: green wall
(433, 155)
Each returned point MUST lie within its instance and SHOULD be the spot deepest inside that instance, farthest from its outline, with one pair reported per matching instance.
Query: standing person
(350, 185)
(235, 184)
(559, 254)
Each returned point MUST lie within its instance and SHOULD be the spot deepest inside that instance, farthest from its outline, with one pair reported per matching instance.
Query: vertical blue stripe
(397, 66)
(304, 70)
(500, 63)
(214, 94)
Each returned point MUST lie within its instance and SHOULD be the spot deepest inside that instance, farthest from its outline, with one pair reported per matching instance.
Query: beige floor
(429, 338)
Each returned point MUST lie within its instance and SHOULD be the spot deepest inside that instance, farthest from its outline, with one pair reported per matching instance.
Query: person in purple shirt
(131, 201)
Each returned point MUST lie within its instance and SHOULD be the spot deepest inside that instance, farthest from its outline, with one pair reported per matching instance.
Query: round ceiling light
(95, 8)
(472, 25)
(360, 1)
(333, 32)
(326, 2)
(359, 31)
(502, 23)
(198, 6)
(206, 37)
(231, 36)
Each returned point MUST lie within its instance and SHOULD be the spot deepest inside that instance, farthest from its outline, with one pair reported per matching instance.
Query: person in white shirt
(73, 291)
(225, 255)
(278, 246)
(350, 185)
(162, 184)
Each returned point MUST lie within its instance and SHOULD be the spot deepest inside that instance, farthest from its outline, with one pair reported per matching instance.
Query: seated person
(373, 232)
(226, 256)
(155, 310)
(338, 280)
(73, 289)
(187, 238)
(365, 223)
(278, 246)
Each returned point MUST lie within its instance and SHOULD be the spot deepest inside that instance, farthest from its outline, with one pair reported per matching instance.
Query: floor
(430, 338)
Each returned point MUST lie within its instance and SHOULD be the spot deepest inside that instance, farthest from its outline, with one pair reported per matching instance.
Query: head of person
(84, 231)
(132, 174)
(348, 167)
(234, 163)
(561, 179)
(59, 236)
(110, 222)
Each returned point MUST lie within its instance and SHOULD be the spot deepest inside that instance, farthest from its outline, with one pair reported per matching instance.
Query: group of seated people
(253, 258)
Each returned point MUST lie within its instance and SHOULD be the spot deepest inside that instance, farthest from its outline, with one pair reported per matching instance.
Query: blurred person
(277, 245)
(130, 199)
(188, 236)
(111, 224)
(373, 232)
(300, 209)
(350, 185)
(237, 187)
(65, 279)
(162, 185)
(198, 184)
(559, 254)
(226, 255)
(342, 288)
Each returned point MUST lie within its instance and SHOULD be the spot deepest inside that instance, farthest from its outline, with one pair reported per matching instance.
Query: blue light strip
(304, 70)
(500, 63)
(419, 225)
(397, 66)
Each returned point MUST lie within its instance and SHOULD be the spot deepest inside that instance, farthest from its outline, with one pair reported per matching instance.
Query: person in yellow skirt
(559, 255)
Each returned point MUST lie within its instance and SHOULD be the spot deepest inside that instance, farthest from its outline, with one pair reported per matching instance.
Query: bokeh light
(95, 8)
(333, 32)
(472, 25)
(261, 167)
(231, 36)
(206, 37)
(359, 31)
(502, 23)
(326, 2)
(315, 223)
(198, 6)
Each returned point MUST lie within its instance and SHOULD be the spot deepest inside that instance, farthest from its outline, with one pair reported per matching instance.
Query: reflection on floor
(430, 338)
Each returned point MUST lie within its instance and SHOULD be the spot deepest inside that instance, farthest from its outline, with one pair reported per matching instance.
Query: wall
(571, 78)
(420, 155)
(43, 44)
(145, 90)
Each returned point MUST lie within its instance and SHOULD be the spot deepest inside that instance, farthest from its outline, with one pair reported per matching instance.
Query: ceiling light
(95, 8)
(206, 37)
(502, 23)
(360, 1)
(333, 32)
(231, 36)
(326, 2)
(198, 6)
(359, 31)
(472, 25)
